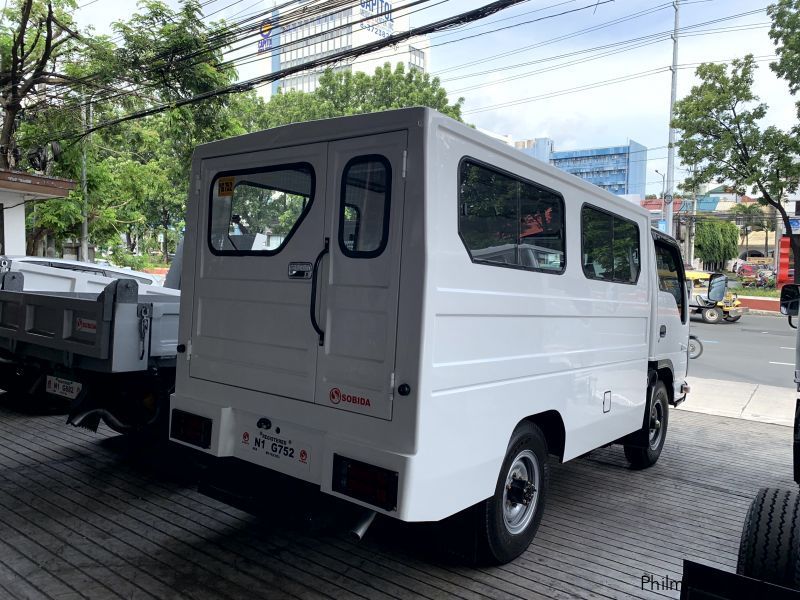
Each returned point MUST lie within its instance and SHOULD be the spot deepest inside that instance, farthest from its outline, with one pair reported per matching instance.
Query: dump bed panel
(66, 322)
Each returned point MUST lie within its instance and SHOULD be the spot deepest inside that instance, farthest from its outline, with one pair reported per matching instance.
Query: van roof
(309, 132)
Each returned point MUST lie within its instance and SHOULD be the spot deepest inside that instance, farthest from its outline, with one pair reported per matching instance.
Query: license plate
(63, 387)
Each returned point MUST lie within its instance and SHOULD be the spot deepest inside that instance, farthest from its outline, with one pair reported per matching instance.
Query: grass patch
(760, 292)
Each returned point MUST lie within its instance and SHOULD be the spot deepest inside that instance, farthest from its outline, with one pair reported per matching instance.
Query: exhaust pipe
(359, 530)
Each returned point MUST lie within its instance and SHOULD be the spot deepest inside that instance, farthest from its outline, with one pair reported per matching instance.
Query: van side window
(504, 220)
(256, 211)
(610, 246)
(669, 273)
(364, 206)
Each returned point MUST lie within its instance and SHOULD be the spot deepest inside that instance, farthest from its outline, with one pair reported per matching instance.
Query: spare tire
(770, 546)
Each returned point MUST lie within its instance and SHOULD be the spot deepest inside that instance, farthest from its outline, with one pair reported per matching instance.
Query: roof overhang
(38, 186)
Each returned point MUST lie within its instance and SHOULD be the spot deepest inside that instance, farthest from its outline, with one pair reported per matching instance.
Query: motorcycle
(695, 346)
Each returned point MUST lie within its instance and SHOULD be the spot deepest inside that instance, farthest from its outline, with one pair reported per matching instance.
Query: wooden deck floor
(85, 515)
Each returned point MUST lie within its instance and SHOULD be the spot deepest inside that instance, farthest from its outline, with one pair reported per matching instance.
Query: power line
(617, 21)
(610, 50)
(461, 18)
(597, 84)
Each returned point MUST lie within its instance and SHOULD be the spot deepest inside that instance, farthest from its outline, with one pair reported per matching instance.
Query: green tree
(36, 38)
(716, 242)
(137, 172)
(342, 93)
(785, 34)
(721, 135)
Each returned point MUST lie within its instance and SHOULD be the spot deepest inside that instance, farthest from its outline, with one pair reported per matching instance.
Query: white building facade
(16, 190)
(298, 42)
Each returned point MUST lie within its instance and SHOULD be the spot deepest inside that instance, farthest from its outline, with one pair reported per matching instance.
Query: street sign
(667, 198)
(662, 225)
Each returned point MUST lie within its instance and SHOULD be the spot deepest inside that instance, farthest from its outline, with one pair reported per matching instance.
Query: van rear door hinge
(197, 184)
(405, 162)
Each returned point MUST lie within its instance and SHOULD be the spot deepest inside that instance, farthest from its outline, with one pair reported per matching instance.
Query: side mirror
(790, 299)
(717, 285)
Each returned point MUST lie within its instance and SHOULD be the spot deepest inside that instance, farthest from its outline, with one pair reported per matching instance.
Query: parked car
(103, 270)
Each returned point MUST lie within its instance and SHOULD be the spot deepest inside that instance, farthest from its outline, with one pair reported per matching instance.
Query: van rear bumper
(325, 460)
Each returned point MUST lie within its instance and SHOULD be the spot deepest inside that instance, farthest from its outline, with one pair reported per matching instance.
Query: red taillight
(190, 428)
(365, 482)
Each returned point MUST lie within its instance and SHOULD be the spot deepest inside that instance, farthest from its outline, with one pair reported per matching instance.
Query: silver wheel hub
(521, 492)
(656, 422)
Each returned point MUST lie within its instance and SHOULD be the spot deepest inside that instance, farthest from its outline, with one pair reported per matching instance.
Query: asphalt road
(756, 349)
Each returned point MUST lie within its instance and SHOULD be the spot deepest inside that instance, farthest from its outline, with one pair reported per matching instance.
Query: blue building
(618, 169)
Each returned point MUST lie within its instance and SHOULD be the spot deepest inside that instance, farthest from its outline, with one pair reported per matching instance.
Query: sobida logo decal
(336, 396)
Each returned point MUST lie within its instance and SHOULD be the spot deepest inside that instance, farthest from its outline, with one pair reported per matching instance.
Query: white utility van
(412, 316)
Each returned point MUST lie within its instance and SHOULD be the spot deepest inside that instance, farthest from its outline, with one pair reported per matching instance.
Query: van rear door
(264, 220)
(297, 283)
(358, 304)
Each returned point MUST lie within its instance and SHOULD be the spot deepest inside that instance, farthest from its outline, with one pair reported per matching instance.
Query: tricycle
(729, 308)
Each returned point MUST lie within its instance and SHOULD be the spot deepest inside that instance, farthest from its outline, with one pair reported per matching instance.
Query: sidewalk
(750, 401)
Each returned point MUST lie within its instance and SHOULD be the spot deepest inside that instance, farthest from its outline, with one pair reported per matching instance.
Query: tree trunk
(130, 242)
(746, 242)
(6, 135)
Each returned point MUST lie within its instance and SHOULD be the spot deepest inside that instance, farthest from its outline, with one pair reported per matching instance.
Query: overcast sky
(605, 115)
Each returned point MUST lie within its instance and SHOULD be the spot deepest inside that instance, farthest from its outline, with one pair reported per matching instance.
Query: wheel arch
(663, 371)
(552, 425)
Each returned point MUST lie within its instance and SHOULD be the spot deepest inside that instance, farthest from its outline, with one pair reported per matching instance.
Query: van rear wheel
(643, 457)
(507, 522)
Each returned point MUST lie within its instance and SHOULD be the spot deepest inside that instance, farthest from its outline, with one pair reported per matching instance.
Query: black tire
(711, 315)
(770, 545)
(695, 348)
(731, 319)
(644, 457)
(506, 528)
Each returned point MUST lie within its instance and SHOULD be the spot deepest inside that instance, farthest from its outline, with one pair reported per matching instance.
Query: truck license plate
(63, 387)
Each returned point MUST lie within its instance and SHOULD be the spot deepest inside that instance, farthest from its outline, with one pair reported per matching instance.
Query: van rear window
(364, 206)
(507, 221)
(256, 211)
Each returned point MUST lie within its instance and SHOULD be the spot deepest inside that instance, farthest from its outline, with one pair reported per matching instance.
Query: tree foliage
(752, 218)
(785, 34)
(716, 241)
(35, 39)
(137, 172)
(721, 136)
(342, 93)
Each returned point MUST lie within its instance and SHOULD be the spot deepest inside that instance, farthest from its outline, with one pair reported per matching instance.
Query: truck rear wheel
(711, 315)
(770, 546)
(507, 522)
(642, 457)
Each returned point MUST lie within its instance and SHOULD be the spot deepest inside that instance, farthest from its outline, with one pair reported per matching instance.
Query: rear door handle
(313, 306)
(663, 331)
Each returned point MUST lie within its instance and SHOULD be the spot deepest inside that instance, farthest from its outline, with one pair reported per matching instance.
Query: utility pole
(692, 224)
(84, 251)
(671, 147)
